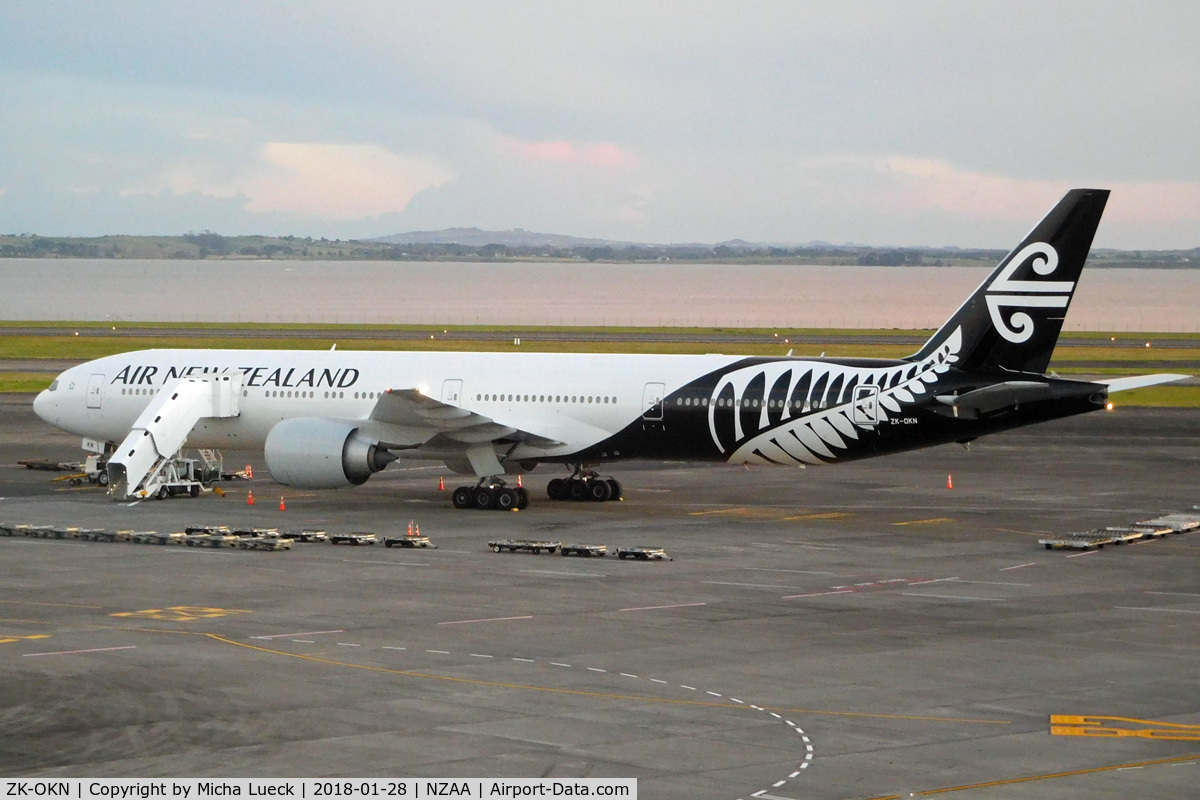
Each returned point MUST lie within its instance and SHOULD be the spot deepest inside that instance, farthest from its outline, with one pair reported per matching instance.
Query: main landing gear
(584, 485)
(491, 494)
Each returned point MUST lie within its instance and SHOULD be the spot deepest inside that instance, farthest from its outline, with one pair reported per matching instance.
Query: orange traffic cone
(410, 524)
(417, 528)
(519, 484)
(949, 482)
(282, 507)
(249, 498)
(441, 484)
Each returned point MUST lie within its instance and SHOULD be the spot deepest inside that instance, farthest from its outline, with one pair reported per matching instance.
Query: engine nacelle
(314, 453)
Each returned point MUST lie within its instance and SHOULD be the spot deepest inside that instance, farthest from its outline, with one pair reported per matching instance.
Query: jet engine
(314, 453)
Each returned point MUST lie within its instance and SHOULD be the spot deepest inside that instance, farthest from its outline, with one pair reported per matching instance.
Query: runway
(859, 631)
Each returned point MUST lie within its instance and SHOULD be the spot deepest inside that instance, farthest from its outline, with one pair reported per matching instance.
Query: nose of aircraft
(44, 406)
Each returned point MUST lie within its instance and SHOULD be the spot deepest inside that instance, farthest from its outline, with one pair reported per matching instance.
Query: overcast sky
(914, 123)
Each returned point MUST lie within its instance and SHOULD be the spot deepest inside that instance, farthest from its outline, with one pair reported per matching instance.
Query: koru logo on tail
(1007, 293)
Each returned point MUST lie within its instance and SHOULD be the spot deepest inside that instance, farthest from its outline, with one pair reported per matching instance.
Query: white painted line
(389, 647)
(777, 784)
(817, 594)
(479, 655)
(794, 774)
(627, 675)
(1019, 566)
(739, 702)
(756, 708)
(657, 680)
(439, 652)
(556, 664)
(569, 574)
(808, 747)
(489, 619)
(348, 644)
(714, 694)
(73, 652)
(303, 641)
(805, 764)
(935, 580)
(286, 635)
(995, 583)
(386, 563)
(528, 660)
(953, 596)
(1177, 594)
(790, 724)
(1152, 608)
(689, 688)
(656, 608)
(1084, 553)
(596, 669)
(753, 585)
(796, 571)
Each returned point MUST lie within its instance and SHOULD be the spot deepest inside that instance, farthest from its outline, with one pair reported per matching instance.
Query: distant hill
(517, 237)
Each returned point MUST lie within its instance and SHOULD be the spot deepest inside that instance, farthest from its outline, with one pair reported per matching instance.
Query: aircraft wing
(1139, 381)
(408, 408)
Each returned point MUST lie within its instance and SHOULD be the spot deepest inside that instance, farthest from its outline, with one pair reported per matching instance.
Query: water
(435, 293)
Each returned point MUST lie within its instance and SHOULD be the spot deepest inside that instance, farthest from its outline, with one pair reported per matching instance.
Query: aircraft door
(652, 402)
(866, 405)
(452, 391)
(95, 391)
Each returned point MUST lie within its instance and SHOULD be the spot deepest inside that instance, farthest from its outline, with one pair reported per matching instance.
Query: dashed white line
(1152, 608)
(627, 675)
(1084, 553)
(935, 580)
(714, 694)
(557, 664)
(303, 641)
(596, 669)
(657, 680)
(1177, 594)
(486, 619)
(816, 594)
(1019, 566)
(439, 652)
(301, 633)
(689, 688)
(348, 644)
(528, 660)
(739, 702)
(386, 647)
(479, 655)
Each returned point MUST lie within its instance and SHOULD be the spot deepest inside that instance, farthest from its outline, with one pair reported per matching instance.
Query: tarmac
(858, 631)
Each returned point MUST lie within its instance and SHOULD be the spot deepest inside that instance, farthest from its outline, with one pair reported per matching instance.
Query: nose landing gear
(492, 494)
(585, 484)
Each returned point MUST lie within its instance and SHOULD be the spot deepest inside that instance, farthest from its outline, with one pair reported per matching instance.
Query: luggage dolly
(642, 553)
(526, 545)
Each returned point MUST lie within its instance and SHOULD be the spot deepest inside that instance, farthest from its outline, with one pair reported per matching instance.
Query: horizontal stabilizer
(995, 397)
(1139, 381)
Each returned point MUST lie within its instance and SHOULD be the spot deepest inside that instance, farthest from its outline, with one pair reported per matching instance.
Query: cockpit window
(53, 386)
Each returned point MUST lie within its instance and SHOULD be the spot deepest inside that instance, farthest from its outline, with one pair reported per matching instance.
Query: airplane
(331, 419)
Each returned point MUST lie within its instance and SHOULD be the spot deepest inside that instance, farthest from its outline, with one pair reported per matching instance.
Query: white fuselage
(575, 399)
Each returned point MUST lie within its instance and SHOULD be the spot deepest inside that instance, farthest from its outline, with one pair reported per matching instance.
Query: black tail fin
(1011, 322)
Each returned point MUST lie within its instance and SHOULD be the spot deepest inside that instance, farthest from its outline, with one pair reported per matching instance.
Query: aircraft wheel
(577, 490)
(505, 499)
(615, 485)
(462, 497)
(556, 489)
(522, 498)
(484, 498)
(599, 491)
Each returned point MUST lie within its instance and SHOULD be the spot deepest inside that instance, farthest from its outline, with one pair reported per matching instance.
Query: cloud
(309, 179)
(602, 154)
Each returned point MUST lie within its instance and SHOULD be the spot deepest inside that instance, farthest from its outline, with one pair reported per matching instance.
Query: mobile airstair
(149, 463)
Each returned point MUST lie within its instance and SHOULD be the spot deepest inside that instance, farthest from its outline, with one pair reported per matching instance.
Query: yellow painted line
(718, 511)
(892, 716)
(933, 521)
(61, 605)
(1047, 776)
(474, 681)
(1109, 727)
(180, 613)
(826, 515)
(5, 638)
(33, 621)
